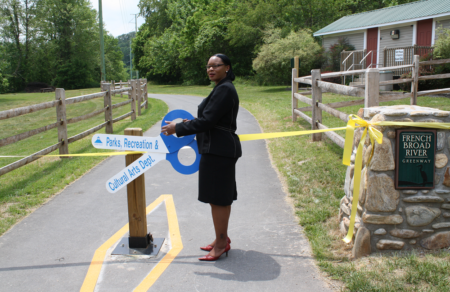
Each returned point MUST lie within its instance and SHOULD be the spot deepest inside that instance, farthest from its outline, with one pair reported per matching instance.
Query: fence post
(129, 85)
(108, 109)
(372, 90)
(146, 93)
(132, 95)
(113, 86)
(137, 217)
(61, 120)
(121, 95)
(138, 95)
(294, 89)
(316, 97)
(415, 82)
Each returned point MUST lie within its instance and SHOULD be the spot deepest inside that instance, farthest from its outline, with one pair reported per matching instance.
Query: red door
(372, 45)
(424, 28)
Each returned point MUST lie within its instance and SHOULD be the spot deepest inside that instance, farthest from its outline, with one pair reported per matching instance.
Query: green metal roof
(389, 15)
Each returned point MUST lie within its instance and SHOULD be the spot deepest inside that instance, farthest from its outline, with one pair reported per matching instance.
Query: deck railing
(405, 56)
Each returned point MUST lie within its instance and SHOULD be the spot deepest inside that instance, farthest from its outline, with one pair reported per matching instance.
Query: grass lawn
(26, 188)
(314, 175)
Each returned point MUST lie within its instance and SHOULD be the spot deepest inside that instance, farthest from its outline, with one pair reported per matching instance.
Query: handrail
(350, 67)
(348, 57)
(371, 52)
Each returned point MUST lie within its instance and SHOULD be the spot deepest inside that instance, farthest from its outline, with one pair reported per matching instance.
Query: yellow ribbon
(259, 136)
(353, 123)
(82, 154)
(375, 135)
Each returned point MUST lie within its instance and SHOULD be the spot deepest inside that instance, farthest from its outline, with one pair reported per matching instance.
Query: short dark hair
(227, 61)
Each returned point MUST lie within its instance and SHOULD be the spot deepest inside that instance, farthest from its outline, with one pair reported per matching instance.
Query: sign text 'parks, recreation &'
(129, 143)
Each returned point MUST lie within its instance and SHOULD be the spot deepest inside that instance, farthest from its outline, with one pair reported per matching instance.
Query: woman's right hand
(185, 120)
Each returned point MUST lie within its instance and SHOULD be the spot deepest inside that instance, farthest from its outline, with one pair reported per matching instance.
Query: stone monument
(390, 218)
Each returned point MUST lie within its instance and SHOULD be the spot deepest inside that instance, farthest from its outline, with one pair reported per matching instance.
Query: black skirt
(217, 180)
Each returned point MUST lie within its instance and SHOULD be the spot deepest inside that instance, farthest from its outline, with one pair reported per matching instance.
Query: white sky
(117, 15)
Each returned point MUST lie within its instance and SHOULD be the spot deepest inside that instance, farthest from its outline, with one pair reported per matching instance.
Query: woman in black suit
(220, 147)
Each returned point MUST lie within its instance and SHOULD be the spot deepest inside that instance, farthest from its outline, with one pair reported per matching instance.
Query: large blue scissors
(157, 149)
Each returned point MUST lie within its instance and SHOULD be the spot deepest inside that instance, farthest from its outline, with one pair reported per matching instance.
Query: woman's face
(216, 69)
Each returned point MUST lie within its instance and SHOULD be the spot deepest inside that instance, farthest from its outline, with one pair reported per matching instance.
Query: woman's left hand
(169, 129)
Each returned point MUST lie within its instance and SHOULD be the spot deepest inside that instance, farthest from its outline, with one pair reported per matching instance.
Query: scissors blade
(132, 171)
(129, 143)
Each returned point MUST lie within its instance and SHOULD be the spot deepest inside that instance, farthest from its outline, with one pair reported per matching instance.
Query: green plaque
(415, 151)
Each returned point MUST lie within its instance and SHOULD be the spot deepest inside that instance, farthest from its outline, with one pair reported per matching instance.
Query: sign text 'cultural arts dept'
(415, 151)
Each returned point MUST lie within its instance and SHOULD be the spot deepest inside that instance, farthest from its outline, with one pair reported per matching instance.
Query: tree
(124, 42)
(179, 35)
(272, 64)
(17, 33)
(70, 26)
(115, 67)
(54, 42)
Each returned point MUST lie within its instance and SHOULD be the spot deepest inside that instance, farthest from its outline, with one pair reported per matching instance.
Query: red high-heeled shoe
(209, 247)
(211, 258)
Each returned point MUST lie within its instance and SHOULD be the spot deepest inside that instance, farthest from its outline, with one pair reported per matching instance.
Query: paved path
(52, 249)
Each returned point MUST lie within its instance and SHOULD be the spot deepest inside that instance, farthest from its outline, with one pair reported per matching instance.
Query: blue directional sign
(157, 149)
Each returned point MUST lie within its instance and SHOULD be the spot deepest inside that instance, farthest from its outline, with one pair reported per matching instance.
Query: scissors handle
(172, 142)
(185, 169)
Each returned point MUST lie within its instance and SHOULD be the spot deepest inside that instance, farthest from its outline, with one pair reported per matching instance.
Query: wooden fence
(369, 91)
(136, 90)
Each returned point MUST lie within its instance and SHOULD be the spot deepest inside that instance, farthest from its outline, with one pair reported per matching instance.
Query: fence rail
(84, 98)
(370, 91)
(137, 91)
(26, 110)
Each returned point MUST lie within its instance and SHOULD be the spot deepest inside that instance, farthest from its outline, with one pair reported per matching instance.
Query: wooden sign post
(139, 242)
(137, 216)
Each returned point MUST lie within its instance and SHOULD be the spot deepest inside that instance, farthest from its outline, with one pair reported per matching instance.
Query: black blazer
(215, 124)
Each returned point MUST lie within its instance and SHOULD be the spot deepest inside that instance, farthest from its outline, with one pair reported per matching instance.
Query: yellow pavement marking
(99, 256)
(177, 246)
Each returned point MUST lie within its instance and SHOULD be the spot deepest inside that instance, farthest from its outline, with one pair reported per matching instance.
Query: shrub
(442, 51)
(272, 65)
(3, 84)
(442, 45)
(333, 56)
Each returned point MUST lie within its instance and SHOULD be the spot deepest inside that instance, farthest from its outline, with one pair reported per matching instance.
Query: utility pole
(102, 45)
(135, 33)
(131, 64)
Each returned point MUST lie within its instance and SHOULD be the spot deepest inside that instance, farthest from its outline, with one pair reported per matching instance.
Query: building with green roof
(381, 33)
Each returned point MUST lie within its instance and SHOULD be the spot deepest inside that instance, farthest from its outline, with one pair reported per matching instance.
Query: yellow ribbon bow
(374, 135)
